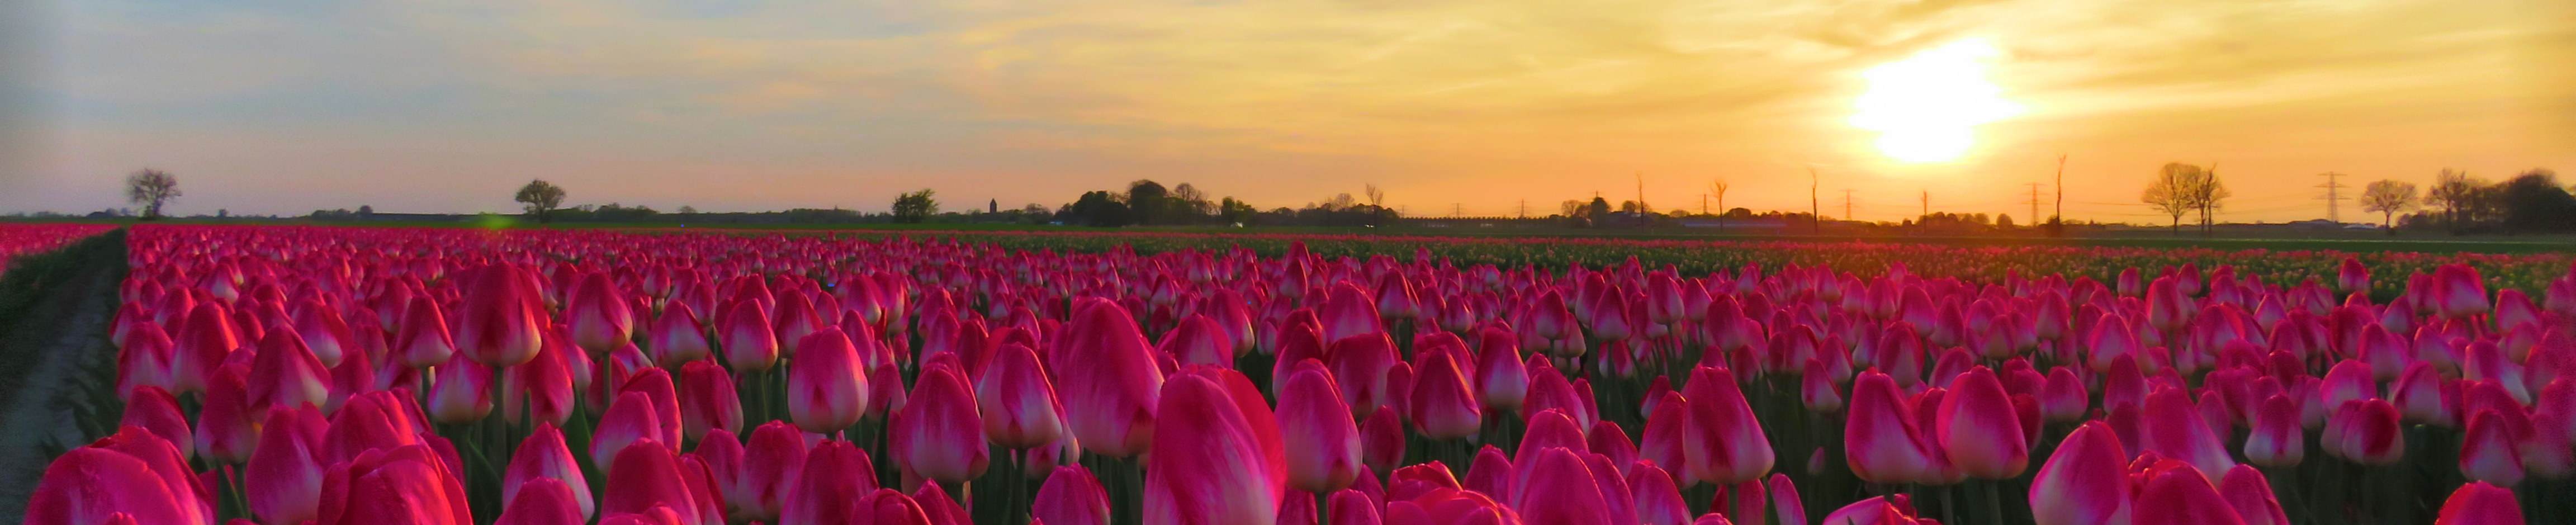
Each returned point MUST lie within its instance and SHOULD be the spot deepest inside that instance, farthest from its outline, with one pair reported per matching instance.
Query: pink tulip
(829, 487)
(2174, 429)
(284, 474)
(826, 390)
(938, 434)
(1071, 496)
(2458, 292)
(632, 418)
(648, 475)
(2351, 276)
(156, 411)
(677, 336)
(1443, 403)
(597, 312)
(502, 319)
(1017, 401)
(1382, 440)
(1199, 341)
(2488, 452)
(424, 340)
(542, 501)
(1560, 468)
(707, 400)
(1107, 380)
(410, 485)
(2084, 481)
(542, 387)
(285, 374)
(1503, 383)
(94, 484)
(1881, 438)
(2251, 495)
(2181, 495)
(1217, 458)
(771, 464)
(2365, 432)
(2278, 440)
(1734, 449)
(1360, 366)
(2479, 503)
(1659, 502)
(748, 343)
(227, 426)
(462, 393)
(1322, 445)
(1979, 429)
(544, 456)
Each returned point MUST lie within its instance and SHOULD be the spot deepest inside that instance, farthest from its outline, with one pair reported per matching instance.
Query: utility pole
(2334, 196)
(2034, 204)
(1641, 194)
(1927, 204)
(1457, 209)
(1847, 215)
(1524, 208)
(1703, 204)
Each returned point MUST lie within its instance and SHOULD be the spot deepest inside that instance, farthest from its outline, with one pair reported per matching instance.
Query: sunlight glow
(1926, 108)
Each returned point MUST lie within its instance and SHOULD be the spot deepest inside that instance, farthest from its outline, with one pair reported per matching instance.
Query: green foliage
(540, 198)
(915, 207)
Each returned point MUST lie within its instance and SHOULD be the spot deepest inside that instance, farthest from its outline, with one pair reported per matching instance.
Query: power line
(1847, 202)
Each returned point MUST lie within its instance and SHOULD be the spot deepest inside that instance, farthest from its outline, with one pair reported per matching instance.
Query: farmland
(454, 375)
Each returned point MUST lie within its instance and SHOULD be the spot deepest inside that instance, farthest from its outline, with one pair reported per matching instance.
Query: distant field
(2348, 241)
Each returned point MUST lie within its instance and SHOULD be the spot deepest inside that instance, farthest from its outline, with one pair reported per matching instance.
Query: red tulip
(410, 485)
(826, 390)
(2084, 482)
(1108, 382)
(1017, 401)
(1217, 458)
(324, 332)
(502, 320)
(1349, 507)
(145, 359)
(1817, 391)
(2479, 503)
(542, 501)
(1659, 502)
(204, 339)
(376, 420)
(938, 434)
(1382, 440)
(598, 315)
(829, 487)
(1071, 496)
(284, 474)
(707, 400)
(2458, 292)
(1666, 436)
(1361, 365)
(1880, 510)
(544, 456)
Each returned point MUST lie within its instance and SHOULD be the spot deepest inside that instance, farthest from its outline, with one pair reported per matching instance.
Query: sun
(1926, 107)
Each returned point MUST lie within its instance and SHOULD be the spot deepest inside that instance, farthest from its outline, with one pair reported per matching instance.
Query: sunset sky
(286, 106)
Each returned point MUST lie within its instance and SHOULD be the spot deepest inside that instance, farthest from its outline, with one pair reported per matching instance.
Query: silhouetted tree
(2457, 193)
(1098, 208)
(2533, 202)
(151, 188)
(541, 198)
(2388, 197)
(2177, 191)
(1146, 200)
(915, 207)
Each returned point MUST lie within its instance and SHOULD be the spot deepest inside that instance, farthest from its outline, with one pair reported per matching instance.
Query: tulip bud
(826, 390)
(544, 456)
(1017, 401)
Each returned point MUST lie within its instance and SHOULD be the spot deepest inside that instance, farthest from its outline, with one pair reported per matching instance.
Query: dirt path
(48, 356)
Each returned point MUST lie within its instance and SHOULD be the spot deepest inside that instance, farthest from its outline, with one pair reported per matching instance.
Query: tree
(151, 188)
(1189, 204)
(1718, 188)
(1598, 209)
(2533, 202)
(684, 208)
(2175, 191)
(1571, 208)
(1146, 200)
(915, 207)
(2209, 193)
(2457, 193)
(2388, 197)
(1235, 211)
(1097, 208)
(541, 198)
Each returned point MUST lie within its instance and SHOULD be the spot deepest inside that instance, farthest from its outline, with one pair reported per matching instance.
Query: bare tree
(2388, 197)
(1571, 208)
(151, 188)
(1718, 188)
(2175, 191)
(2456, 192)
(541, 198)
(1376, 197)
(2209, 194)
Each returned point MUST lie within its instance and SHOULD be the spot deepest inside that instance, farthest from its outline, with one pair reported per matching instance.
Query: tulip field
(286, 375)
(23, 239)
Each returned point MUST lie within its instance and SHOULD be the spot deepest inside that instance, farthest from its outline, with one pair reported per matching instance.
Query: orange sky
(285, 106)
